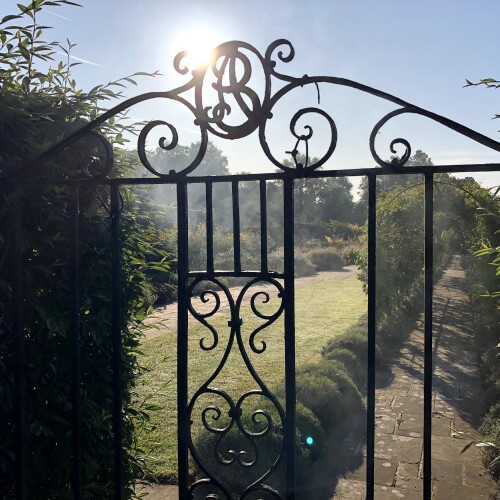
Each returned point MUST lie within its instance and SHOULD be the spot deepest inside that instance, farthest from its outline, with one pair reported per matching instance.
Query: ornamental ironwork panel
(267, 427)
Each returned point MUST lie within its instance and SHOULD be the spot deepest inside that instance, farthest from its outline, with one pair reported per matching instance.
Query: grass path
(324, 309)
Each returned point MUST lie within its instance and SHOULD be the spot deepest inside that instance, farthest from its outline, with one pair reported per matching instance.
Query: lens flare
(200, 43)
(309, 440)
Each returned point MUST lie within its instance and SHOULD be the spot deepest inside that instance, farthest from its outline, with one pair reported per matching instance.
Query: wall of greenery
(40, 103)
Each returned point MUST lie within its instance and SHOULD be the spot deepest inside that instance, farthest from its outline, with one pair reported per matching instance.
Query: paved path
(457, 398)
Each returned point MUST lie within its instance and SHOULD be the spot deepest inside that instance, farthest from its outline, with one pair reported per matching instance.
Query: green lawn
(323, 310)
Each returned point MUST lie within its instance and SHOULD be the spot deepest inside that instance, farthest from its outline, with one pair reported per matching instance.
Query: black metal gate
(232, 69)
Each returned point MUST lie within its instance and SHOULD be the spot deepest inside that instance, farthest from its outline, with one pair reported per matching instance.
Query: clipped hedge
(38, 107)
(353, 340)
(236, 476)
(326, 259)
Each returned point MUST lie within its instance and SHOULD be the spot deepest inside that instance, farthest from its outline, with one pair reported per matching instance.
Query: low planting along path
(165, 318)
(457, 407)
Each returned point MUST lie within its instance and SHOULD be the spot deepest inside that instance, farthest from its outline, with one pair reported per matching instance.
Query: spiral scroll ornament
(210, 297)
(301, 169)
(255, 413)
(97, 167)
(395, 162)
(228, 81)
(264, 297)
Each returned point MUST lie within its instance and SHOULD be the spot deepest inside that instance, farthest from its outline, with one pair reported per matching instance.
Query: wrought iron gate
(232, 69)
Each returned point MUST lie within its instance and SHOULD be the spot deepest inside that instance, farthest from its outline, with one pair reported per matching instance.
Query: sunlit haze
(421, 52)
(199, 42)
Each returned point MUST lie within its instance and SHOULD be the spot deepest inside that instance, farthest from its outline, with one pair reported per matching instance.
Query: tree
(320, 200)
(214, 163)
(386, 183)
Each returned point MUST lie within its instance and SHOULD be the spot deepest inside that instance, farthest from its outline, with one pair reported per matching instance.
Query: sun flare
(199, 43)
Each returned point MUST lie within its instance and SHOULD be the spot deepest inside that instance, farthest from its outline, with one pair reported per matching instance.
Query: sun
(199, 42)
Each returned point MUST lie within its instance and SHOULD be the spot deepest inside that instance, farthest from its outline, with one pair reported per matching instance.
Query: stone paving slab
(159, 492)
(353, 490)
(399, 448)
(457, 399)
(452, 491)
(385, 472)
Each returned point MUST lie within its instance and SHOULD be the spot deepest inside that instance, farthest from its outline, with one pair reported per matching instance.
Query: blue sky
(420, 51)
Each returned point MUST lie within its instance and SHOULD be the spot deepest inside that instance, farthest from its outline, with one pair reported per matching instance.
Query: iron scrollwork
(232, 69)
(229, 414)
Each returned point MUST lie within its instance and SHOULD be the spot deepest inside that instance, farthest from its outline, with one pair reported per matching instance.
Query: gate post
(182, 340)
(372, 331)
(428, 285)
(19, 349)
(116, 311)
(289, 305)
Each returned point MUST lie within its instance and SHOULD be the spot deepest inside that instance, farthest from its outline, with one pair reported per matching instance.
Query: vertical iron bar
(20, 354)
(263, 227)
(289, 306)
(209, 227)
(372, 324)
(75, 342)
(429, 251)
(182, 339)
(236, 227)
(116, 339)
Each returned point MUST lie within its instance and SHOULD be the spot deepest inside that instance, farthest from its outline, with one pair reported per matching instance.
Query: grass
(323, 310)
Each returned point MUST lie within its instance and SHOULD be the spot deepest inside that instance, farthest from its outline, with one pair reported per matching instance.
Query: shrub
(350, 401)
(350, 363)
(236, 476)
(354, 339)
(345, 230)
(352, 256)
(303, 265)
(326, 259)
(309, 426)
(37, 109)
(322, 396)
(275, 260)
(490, 428)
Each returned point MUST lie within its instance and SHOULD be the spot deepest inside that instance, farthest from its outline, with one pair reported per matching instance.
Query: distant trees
(387, 182)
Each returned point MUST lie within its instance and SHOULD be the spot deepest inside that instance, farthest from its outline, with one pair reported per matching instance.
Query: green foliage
(269, 446)
(482, 230)
(350, 397)
(400, 235)
(326, 259)
(490, 428)
(345, 230)
(349, 363)
(353, 340)
(303, 264)
(490, 83)
(400, 249)
(39, 104)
